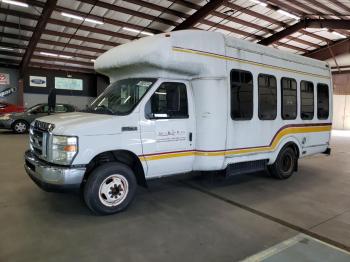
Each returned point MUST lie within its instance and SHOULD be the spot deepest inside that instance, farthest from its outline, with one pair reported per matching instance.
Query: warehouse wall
(341, 101)
(9, 91)
(92, 85)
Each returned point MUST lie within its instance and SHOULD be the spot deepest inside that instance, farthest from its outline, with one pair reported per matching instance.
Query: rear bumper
(53, 178)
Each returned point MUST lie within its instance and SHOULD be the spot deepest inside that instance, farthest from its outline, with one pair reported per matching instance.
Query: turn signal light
(70, 148)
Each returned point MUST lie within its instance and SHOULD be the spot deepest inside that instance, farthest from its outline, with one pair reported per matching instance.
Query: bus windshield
(121, 97)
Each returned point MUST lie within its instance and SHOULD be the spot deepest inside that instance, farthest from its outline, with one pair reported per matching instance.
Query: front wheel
(20, 127)
(285, 164)
(110, 188)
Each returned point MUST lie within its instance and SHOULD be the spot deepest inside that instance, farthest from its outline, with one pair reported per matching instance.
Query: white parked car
(179, 102)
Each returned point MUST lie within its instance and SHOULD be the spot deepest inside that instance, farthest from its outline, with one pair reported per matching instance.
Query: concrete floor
(187, 219)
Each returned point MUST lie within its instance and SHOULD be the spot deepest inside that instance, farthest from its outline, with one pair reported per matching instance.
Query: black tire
(285, 164)
(20, 127)
(101, 178)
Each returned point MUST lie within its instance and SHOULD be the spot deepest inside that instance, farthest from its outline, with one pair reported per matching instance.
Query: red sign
(4, 79)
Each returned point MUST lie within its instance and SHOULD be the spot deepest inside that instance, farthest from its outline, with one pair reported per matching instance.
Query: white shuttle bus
(180, 102)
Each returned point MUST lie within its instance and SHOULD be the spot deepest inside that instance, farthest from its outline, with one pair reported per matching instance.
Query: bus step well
(246, 167)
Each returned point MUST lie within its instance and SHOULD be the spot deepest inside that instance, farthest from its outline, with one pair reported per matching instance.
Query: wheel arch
(287, 142)
(18, 120)
(122, 156)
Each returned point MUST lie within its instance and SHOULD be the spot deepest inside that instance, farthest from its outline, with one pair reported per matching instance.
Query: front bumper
(53, 178)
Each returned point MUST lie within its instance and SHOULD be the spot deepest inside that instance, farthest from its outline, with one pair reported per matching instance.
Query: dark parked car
(6, 108)
(20, 122)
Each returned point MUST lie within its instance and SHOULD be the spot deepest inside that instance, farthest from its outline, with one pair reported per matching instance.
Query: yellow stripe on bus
(229, 58)
(272, 147)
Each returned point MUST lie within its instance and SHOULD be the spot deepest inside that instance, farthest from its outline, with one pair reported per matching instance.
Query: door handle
(190, 136)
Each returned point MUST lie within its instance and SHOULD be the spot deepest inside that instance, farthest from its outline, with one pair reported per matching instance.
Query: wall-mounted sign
(37, 81)
(68, 83)
(8, 91)
(4, 79)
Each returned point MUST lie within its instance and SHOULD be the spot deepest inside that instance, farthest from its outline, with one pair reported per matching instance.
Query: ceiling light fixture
(72, 16)
(48, 54)
(94, 21)
(82, 18)
(65, 56)
(6, 48)
(288, 14)
(338, 34)
(259, 3)
(11, 2)
(137, 31)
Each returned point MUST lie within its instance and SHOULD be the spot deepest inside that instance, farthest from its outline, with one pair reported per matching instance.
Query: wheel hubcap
(287, 163)
(20, 127)
(113, 190)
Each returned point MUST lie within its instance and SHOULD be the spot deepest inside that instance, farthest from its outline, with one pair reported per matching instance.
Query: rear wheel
(20, 127)
(285, 164)
(110, 188)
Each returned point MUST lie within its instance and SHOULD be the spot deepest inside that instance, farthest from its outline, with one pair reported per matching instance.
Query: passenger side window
(267, 86)
(307, 100)
(322, 101)
(169, 101)
(60, 109)
(241, 95)
(289, 98)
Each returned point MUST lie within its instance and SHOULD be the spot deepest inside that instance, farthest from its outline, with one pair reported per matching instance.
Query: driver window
(169, 101)
(45, 109)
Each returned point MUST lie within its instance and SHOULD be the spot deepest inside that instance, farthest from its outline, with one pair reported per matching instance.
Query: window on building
(306, 100)
(289, 98)
(267, 86)
(169, 101)
(241, 95)
(322, 101)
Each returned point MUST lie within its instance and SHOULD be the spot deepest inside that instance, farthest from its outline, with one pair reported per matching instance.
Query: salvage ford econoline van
(180, 102)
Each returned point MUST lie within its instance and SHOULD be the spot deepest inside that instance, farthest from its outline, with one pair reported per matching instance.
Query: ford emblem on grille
(44, 126)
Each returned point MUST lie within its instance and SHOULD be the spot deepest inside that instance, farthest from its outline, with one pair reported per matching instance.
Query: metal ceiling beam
(107, 20)
(10, 53)
(124, 10)
(253, 25)
(5, 61)
(307, 23)
(62, 68)
(63, 60)
(66, 53)
(341, 47)
(59, 34)
(199, 15)
(341, 5)
(14, 36)
(72, 46)
(301, 7)
(40, 26)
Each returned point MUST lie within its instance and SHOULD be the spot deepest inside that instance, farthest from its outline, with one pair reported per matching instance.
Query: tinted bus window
(267, 87)
(289, 98)
(241, 95)
(307, 100)
(322, 101)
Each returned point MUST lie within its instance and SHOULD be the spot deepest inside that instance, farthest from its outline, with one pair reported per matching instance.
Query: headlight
(64, 149)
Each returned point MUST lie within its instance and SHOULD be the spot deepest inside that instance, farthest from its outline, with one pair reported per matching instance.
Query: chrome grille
(38, 141)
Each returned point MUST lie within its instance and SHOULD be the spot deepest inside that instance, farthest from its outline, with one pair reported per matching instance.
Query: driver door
(168, 130)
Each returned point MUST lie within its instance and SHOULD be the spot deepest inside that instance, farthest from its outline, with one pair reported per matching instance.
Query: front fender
(91, 146)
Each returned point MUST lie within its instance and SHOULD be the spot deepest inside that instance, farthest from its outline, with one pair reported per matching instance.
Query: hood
(81, 123)
(18, 115)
